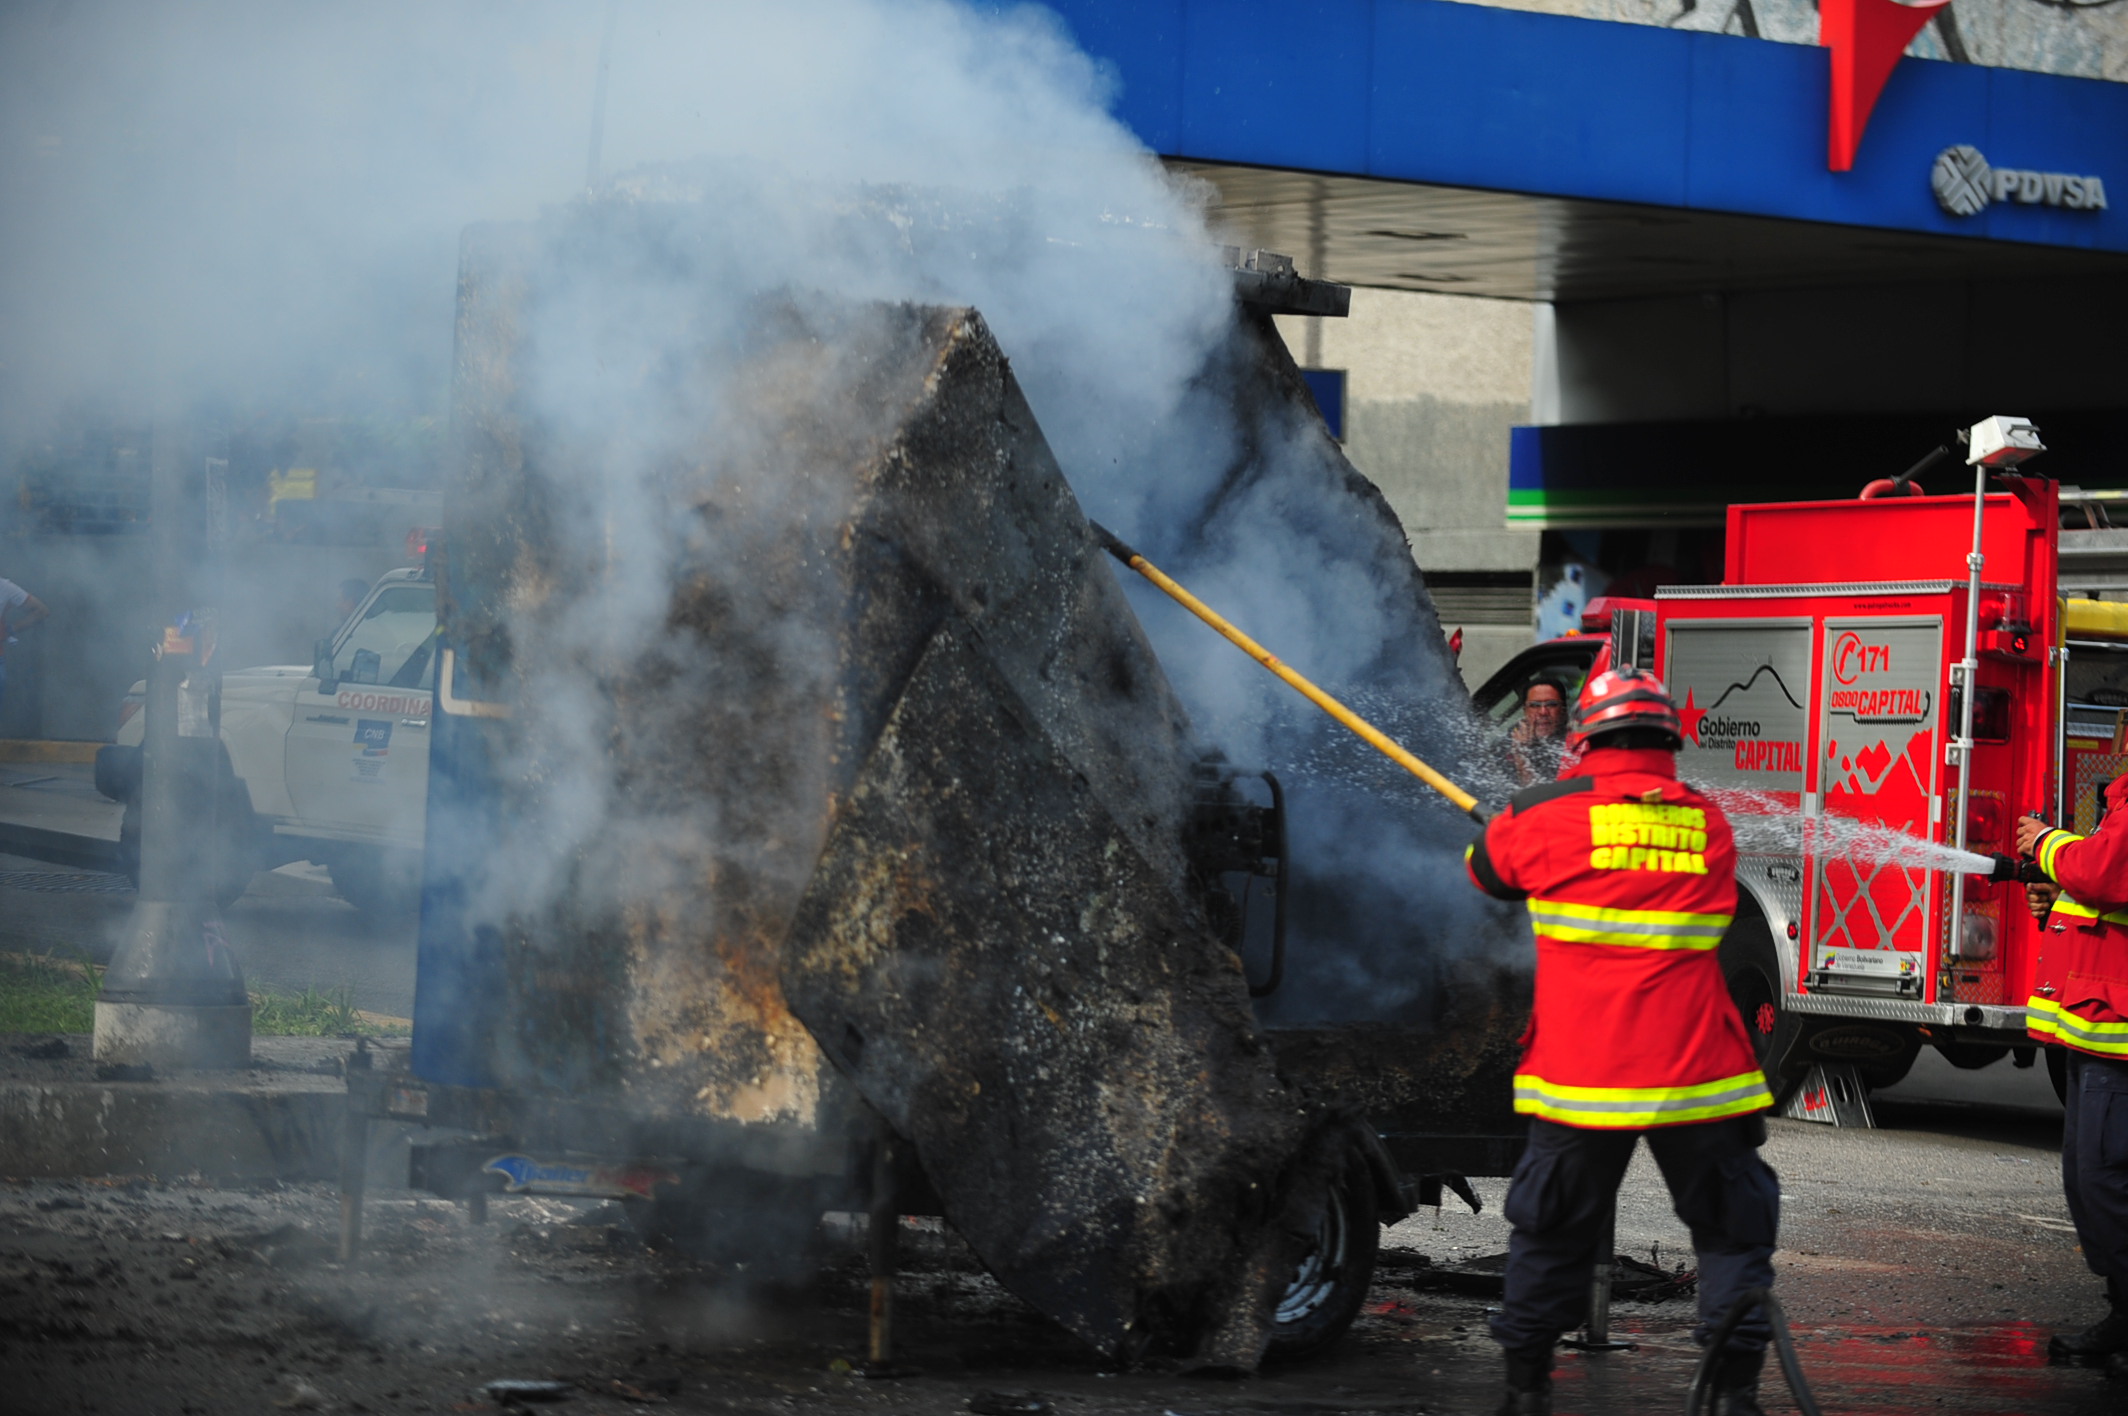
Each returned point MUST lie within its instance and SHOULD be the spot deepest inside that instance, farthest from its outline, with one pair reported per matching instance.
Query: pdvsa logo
(1965, 185)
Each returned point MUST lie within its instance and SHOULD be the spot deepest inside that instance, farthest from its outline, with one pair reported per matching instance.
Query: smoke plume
(250, 205)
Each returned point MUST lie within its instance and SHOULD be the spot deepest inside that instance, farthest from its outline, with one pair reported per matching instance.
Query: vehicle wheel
(117, 772)
(1972, 1056)
(240, 855)
(242, 849)
(1752, 967)
(1330, 1281)
(1879, 1075)
(386, 884)
(129, 841)
(2058, 1072)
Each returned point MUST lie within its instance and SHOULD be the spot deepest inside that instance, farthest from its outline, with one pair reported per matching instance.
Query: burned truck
(812, 827)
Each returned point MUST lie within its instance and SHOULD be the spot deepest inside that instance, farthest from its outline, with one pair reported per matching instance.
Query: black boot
(1529, 1384)
(1736, 1384)
(2102, 1339)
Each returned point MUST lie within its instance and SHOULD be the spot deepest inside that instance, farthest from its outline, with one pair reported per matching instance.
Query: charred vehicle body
(861, 856)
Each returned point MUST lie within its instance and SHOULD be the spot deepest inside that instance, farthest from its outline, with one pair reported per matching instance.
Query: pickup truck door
(358, 748)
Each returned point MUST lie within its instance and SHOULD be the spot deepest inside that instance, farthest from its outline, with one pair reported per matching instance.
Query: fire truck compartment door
(1881, 758)
(1741, 686)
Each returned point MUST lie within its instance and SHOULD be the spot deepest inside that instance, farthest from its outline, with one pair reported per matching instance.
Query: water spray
(1367, 732)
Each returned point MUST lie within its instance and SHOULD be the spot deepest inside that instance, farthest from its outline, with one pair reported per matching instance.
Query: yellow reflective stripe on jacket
(1641, 1106)
(2050, 845)
(1636, 929)
(2048, 1018)
(2064, 904)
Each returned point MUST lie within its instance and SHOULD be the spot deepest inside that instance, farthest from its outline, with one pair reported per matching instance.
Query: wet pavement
(1923, 1266)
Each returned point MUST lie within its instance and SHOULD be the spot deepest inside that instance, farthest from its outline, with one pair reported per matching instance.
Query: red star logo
(1688, 719)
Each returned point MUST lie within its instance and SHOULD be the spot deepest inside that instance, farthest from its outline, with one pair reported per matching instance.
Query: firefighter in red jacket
(2080, 1002)
(1629, 876)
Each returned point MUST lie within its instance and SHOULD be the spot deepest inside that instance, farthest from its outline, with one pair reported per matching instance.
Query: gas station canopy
(1517, 246)
(1431, 145)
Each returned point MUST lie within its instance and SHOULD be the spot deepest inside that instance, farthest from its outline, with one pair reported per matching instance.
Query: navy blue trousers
(2095, 1164)
(1562, 1193)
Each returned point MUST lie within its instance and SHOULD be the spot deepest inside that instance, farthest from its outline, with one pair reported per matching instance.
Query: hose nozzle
(2010, 870)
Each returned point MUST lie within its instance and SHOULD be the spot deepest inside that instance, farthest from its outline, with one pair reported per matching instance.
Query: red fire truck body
(1818, 683)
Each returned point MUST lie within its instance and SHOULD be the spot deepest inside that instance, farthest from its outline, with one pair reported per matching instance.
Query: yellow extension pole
(1374, 737)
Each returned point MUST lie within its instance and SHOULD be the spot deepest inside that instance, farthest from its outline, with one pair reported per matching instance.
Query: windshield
(392, 643)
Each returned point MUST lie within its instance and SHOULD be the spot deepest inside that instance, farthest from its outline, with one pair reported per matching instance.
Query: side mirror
(321, 664)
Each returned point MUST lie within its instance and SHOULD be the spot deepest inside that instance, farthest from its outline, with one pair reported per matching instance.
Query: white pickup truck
(333, 756)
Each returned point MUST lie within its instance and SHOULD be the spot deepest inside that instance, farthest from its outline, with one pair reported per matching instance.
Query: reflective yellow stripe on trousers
(1633, 1107)
(2049, 1019)
(1633, 929)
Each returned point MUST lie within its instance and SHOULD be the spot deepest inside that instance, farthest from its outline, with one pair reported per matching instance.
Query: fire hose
(1367, 732)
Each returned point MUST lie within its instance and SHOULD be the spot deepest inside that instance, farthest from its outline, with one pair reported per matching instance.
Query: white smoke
(263, 201)
(248, 204)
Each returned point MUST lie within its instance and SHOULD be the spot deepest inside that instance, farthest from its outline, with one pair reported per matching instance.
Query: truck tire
(2058, 1072)
(242, 849)
(129, 841)
(385, 884)
(1889, 1073)
(243, 839)
(1972, 1056)
(117, 772)
(1343, 1222)
(1752, 967)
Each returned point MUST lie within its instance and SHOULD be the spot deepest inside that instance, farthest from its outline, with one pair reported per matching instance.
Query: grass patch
(48, 993)
(41, 993)
(310, 1013)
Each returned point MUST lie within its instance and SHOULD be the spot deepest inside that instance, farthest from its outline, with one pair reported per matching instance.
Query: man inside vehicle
(1537, 742)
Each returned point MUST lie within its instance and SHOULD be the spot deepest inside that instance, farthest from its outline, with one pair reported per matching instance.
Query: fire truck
(1822, 690)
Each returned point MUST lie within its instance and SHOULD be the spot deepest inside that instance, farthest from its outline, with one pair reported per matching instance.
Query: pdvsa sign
(1965, 185)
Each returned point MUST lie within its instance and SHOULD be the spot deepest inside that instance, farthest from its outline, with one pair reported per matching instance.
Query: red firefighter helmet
(1621, 698)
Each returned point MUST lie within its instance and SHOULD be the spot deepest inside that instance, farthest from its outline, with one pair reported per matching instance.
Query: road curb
(149, 1128)
(279, 1120)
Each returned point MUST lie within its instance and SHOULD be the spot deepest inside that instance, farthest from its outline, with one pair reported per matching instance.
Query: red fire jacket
(1630, 877)
(2080, 984)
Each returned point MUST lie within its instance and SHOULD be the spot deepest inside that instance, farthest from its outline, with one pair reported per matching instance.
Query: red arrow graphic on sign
(1866, 38)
